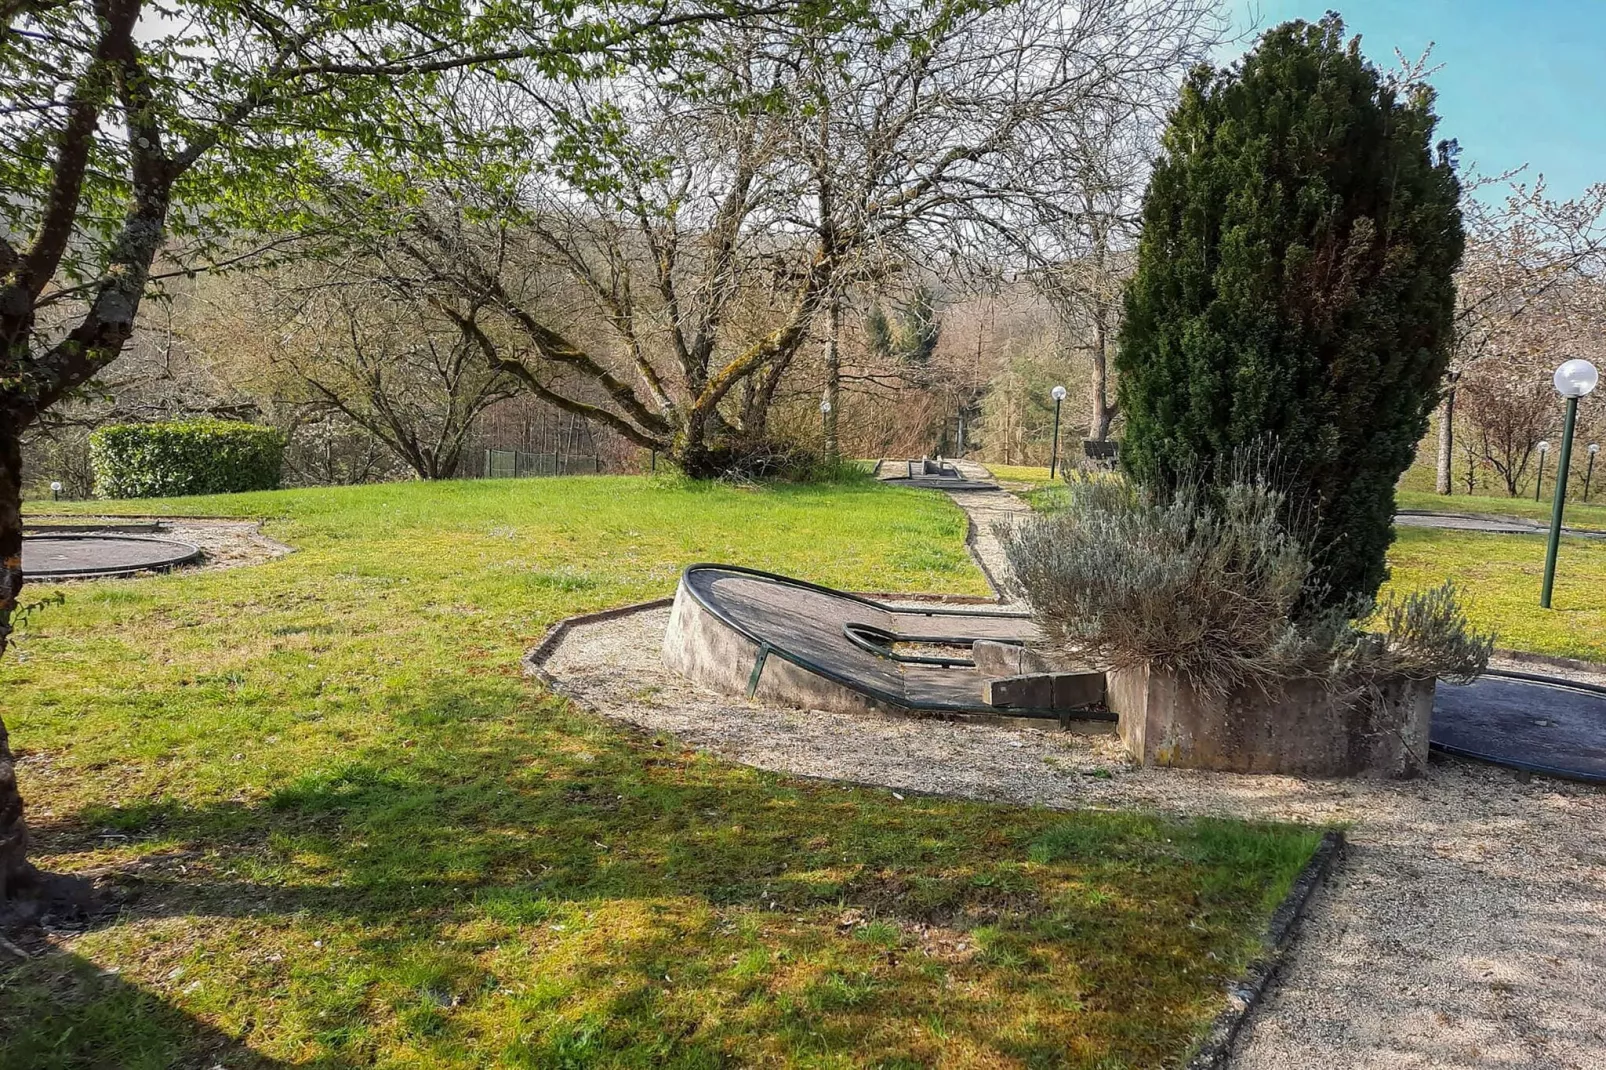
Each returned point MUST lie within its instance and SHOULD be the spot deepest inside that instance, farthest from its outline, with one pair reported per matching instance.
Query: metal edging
(1522, 767)
(806, 585)
(1542, 678)
(758, 668)
(856, 634)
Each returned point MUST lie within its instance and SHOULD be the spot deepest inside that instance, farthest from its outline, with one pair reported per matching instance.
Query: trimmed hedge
(161, 460)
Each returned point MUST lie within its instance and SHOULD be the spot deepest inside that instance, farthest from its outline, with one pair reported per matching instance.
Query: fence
(516, 464)
(522, 437)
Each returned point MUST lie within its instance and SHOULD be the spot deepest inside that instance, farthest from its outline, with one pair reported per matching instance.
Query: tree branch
(39, 263)
(517, 368)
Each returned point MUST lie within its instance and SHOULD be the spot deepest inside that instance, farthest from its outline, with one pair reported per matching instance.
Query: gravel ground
(986, 509)
(1466, 926)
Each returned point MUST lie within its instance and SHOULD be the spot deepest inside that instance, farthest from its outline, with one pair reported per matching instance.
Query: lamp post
(1544, 448)
(1589, 470)
(1058, 394)
(55, 490)
(1573, 380)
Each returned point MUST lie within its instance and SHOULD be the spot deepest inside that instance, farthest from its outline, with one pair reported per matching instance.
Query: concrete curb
(160, 518)
(975, 555)
(139, 527)
(1244, 994)
(1521, 657)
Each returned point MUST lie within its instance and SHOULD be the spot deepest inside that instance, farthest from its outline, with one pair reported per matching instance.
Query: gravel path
(1496, 525)
(987, 508)
(1465, 928)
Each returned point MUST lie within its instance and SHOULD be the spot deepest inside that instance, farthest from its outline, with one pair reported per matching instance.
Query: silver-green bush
(1212, 582)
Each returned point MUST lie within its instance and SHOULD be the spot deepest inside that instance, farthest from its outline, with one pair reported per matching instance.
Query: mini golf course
(777, 639)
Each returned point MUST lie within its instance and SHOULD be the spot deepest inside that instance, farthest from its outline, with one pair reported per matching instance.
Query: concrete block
(1304, 729)
(1076, 689)
(1035, 690)
(1045, 690)
(997, 659)
(993, 658)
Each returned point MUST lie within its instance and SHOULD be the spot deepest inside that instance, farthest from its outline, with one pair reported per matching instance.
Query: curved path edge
(1243, 995)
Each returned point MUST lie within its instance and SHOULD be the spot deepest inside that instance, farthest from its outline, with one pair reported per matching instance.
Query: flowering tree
(1529, 296)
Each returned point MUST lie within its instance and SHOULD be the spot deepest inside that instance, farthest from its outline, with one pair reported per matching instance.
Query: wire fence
(517, 464)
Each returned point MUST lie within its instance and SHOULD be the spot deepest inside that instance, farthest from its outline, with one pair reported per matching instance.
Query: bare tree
(329, 337)
(804, 163)
(1507, 423)
(131, 126)
(1086, 294)
(1076, 249)
(1060, 195)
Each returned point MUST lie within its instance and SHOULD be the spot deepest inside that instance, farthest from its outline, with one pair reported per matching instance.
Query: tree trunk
(1442, 477)
(14, 867)
(833, 377)
(1102, 411)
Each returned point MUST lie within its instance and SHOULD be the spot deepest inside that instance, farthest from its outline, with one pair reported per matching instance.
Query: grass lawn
(1500, 577)
(1022, 476)
(350, 833)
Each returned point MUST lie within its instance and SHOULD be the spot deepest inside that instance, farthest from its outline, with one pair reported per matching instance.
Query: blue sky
(1522, 82)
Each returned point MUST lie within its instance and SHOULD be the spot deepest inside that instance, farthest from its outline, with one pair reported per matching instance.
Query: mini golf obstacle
(788, 642)
(746, 632)
(1536, 723)
(78, 556)
(936, 474)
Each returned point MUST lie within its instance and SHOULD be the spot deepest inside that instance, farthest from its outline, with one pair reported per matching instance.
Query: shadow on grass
(59, 1010)
(615, 899)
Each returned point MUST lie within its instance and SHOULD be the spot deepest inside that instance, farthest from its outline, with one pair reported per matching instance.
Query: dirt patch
(43, 905)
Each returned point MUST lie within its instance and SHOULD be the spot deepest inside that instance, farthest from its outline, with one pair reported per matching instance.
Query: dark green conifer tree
(878, 332)
(919, 327)
(1295, 285)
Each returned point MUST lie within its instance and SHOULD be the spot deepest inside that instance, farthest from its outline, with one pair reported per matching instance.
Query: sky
(1523, 81)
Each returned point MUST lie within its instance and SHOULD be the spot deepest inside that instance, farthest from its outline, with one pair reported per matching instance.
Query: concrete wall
(701, 647)
(1303, 730)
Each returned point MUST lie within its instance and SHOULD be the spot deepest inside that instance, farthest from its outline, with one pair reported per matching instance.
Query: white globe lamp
(1574, 379)
(1058, 394)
